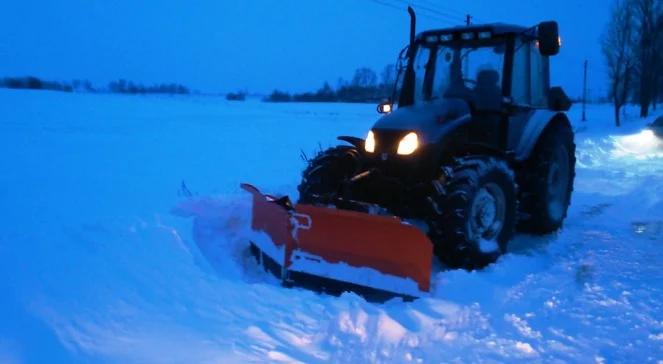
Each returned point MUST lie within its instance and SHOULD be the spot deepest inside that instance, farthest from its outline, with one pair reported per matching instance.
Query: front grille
(387, 140)
(406, 168)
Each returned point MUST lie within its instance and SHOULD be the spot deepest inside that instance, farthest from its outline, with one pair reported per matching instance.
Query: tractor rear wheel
(476, 208)
(547, 180)
(323, 178)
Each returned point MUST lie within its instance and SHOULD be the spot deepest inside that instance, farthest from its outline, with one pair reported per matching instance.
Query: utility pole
(584, 94)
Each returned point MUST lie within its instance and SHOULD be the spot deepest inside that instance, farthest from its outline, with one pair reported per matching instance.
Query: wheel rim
(558, 181)
(487, 213)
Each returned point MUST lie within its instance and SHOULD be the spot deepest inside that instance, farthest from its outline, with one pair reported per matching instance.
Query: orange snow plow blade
(336, 250)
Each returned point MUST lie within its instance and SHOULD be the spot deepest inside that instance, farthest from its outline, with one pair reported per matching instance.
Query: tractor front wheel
(476, 212)
(323, 178)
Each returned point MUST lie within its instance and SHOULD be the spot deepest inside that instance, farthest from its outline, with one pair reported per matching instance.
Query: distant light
(446, 37)
(485, 35)
(369, 144)
(432, 39)
(559, 41)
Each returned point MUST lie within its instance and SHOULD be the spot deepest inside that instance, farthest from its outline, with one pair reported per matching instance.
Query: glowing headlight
(408, 144)
(369, 144)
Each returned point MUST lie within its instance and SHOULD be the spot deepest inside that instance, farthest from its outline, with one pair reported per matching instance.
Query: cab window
(520, 75)
(529, 84)
(538, 79)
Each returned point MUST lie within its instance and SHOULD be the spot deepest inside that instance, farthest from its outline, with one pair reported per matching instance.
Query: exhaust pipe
(413, 27)
(407, 96)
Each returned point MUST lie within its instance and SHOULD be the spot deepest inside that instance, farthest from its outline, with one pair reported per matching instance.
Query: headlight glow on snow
(408, 144)
(641, 146)
(369, 144)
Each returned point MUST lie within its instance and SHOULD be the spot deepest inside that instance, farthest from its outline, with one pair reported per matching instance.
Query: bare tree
(389, 75)
(658, 62)
(617, 44)
(388, 80)
(647, 14)
(364, 77)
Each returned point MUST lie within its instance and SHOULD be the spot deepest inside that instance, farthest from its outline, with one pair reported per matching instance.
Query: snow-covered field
(94, 267)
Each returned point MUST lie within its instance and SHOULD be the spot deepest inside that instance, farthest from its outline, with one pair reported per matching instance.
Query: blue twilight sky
(224, 45)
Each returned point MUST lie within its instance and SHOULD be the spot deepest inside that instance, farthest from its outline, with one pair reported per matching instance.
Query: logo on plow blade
(296, 221)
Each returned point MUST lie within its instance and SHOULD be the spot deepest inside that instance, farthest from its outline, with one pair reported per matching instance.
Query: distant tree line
(34, 83)
(119, 86)
(122, 86)
(632, 46)
(236, 96)
(364, 87)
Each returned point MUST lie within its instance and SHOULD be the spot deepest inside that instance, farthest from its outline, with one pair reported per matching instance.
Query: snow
(94, 267)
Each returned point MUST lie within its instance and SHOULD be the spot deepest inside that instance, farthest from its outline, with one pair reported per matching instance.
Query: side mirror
(385, 107)
(548, 37)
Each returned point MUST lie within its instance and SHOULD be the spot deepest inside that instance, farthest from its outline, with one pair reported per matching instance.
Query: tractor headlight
(369, 144)
(408, 144)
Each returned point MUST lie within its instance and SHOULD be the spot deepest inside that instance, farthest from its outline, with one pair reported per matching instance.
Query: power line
(434, 11)
(450, 10)
(387, 5)
(447, 9)
(454, 18)
(424, 14)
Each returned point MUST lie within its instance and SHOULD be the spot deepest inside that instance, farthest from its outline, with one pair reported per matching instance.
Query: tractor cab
(464, 90)
(487, 66)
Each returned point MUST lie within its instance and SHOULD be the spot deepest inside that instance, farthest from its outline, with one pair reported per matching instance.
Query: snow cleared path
(94, 267)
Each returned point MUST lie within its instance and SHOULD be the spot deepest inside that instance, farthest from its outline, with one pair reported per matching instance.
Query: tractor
(473, 145)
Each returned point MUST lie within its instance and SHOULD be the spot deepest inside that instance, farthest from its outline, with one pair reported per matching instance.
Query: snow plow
(334, 250)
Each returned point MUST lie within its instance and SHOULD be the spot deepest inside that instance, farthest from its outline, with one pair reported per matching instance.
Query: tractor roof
(495, 28)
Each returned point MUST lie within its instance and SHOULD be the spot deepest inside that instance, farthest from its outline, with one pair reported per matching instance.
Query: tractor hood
(430, 120)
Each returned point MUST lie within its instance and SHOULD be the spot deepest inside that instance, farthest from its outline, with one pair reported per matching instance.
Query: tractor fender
(534, 127)
(354, 141)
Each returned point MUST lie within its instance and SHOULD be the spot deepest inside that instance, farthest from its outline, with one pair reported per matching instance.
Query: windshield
(452, 71)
